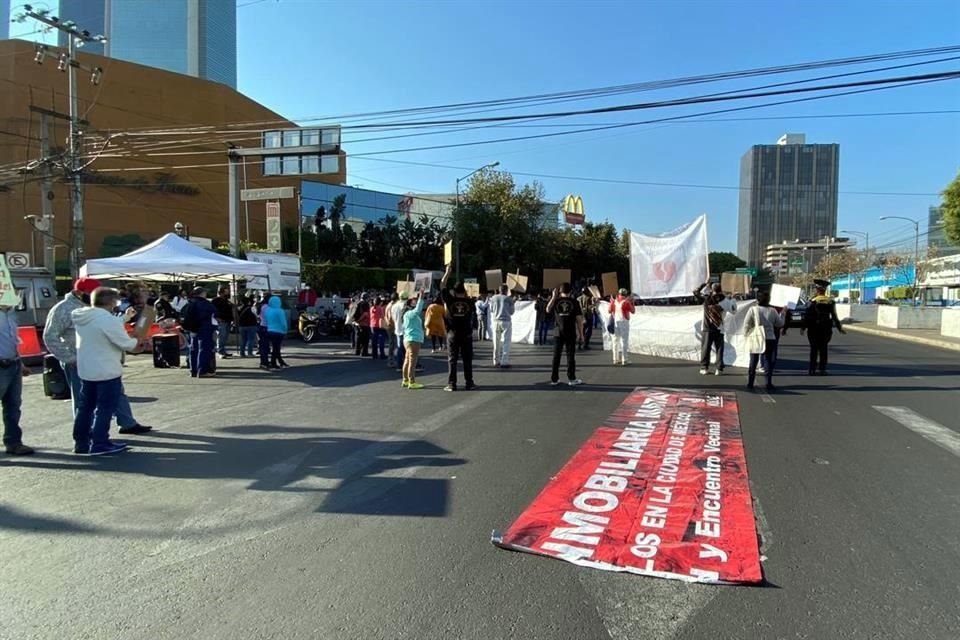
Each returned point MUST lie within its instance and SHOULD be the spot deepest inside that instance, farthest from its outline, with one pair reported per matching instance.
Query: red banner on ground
(660, 489)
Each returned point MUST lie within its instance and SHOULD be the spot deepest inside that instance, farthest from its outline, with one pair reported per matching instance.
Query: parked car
(796, 316)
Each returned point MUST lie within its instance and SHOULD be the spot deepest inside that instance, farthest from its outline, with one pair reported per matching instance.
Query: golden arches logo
(573, 209)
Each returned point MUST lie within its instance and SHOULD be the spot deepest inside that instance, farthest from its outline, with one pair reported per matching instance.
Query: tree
(950, 209)
(837, 263)
(723, 261)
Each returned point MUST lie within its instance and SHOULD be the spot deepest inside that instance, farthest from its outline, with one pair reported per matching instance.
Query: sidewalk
(929, 337)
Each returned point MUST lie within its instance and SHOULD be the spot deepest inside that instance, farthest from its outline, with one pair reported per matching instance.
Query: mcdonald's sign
(573, 209)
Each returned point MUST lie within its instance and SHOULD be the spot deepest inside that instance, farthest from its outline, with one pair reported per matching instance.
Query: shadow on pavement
(367, 477)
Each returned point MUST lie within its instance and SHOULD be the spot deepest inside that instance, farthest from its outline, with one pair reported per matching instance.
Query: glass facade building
(787, 192)
(937, 236)
(193, 37)
(367, 205)
(4, 19)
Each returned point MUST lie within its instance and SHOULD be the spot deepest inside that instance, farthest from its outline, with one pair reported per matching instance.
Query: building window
(331, 139)
(271, 166)
(291, 138)
(311, 137)
(291, 165)
(271, 139)
(329, 164)
(310, 164)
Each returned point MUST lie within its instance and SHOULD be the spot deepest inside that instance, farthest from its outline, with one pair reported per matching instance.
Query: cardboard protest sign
(735, 282)
(594, 291)
(147, 317)
(553, 278)
(448, 253)
(784, 296)
(473, 289)
(494, 278)
(8, 294)
(516, 282)
(405, 285)
(611, 285)
(422, 281)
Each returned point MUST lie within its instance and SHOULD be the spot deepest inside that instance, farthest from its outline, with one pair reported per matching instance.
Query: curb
(940, 344)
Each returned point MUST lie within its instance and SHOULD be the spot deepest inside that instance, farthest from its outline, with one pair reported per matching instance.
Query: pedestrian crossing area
(931, 430)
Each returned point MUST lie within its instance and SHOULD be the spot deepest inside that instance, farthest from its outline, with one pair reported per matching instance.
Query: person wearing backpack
(198, 319)
(819, 320)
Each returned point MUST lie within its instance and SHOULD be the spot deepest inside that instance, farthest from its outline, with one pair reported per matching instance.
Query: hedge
(346, 279)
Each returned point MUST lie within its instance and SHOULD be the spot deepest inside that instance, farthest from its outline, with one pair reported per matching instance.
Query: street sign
(18, 260)
(752, 271)
(276, 193)
(274, 236)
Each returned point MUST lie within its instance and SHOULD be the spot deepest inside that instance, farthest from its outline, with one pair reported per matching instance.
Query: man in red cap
(59, 336)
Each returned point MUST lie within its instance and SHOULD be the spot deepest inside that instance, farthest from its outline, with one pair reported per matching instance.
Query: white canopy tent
(171, 258)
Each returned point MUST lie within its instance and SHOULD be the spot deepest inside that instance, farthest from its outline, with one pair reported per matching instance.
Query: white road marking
(766, 398)
(932, 431)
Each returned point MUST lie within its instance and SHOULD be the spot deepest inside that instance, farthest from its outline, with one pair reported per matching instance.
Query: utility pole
(46, 196)
(68, 62)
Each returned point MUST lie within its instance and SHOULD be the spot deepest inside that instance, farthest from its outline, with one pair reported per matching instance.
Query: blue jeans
(11, 394)
(223, 336)
(401, 351)
(124, 410)
(379, 344)
(770, 358)
(97, 404)
(543, 331)
(201, 351)
(248, 337)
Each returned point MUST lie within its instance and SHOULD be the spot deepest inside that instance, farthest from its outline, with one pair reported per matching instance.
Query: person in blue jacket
(276, 319)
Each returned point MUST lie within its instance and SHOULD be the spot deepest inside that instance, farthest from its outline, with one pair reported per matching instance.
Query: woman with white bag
(761, 330)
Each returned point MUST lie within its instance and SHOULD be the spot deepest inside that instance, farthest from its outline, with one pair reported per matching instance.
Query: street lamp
(866, 256)
(492, 165)
(916, 251)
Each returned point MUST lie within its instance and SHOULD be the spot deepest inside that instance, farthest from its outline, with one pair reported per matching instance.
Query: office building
(794, 257)
(549, 216)
(367, 205)
(937, 236)
(788, 191)
(194, 37)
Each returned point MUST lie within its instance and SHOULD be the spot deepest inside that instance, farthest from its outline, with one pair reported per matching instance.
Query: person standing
(501, 313)
(224, 315)
(621, 308)
(180, 301)
(483, 318)
(397, 310)
(413, 339)
(361, 321)
(711, 332)
(12, 371)
(277, 326)
(248, 322)
(377, 329)
(101, 343)
(435, 324)
(819, 320)
(543, 318)
(589, 307)
(60, 338)
(198, 319)
(771, 320)
(568, 327)
(392, 330)
(164, 307)
(459, 332)
(263, 341)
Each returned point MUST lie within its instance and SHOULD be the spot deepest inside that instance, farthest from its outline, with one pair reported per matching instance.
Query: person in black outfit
(568, 329)
(224, 315)
(198, 320)
(165, 310)
(460, 312)
(819, 319)
(712, 326)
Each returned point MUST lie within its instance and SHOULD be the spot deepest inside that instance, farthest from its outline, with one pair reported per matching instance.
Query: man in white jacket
(101, 341)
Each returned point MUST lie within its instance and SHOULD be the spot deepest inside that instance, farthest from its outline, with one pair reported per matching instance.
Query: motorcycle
(312, 325)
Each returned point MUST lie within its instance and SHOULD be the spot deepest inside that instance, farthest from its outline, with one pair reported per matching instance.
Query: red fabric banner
(660, 489)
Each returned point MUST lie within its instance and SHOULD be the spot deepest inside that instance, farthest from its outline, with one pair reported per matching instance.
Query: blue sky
(312, 58)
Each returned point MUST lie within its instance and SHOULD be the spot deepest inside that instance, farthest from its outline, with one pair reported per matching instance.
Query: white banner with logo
(676, 332)
(284, 272)
(669, 265)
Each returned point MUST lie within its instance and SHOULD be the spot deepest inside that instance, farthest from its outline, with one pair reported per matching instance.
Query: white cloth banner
(669, 265)
(675, 332)
(523, 323)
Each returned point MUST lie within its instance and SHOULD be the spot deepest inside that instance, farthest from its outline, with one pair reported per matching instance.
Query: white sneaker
(761, 369)
(718, 372)
(704, 371)
(575, 383)
(554, 383)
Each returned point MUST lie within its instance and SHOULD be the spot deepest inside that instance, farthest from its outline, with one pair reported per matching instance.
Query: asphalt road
(327, 502)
